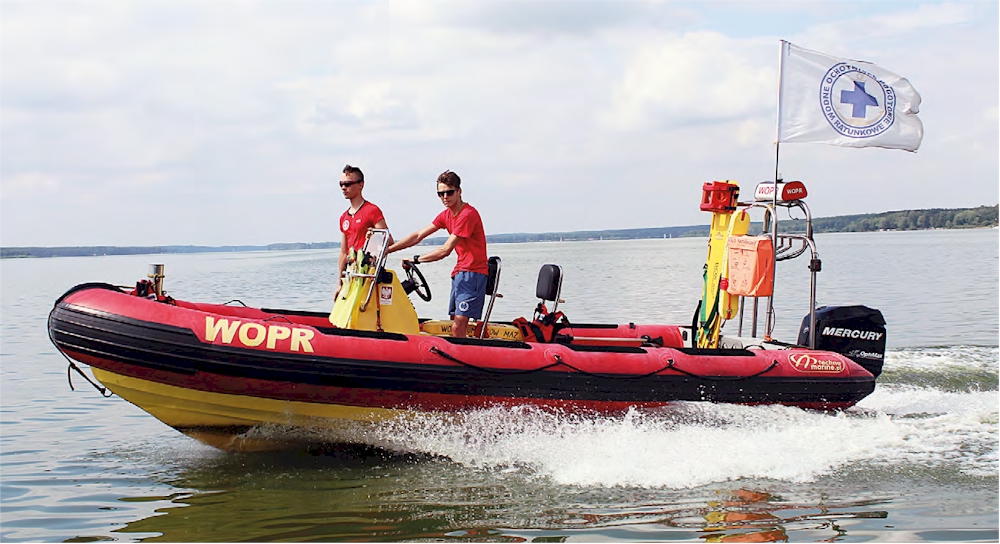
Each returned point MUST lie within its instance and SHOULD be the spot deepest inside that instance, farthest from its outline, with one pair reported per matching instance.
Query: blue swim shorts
(468, 292)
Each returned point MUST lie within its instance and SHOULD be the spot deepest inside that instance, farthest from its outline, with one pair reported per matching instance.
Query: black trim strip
(592, 326)
(606, 349)
(486, 342)
(303, 313)
(720, 352)
(336, 331)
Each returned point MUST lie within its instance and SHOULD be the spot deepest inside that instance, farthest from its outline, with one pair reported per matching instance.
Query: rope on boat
(69, 375)
(236, 300)
(435, 350)
(722, 378)
(559, 362)
(279, 317)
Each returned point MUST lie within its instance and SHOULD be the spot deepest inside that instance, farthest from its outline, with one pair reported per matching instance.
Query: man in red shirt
(468, 240)
(359, 217)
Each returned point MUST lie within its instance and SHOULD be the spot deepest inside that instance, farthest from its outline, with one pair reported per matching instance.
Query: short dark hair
(450, 179)
(356, 171)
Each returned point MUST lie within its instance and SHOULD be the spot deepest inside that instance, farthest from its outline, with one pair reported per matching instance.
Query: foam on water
(953, 368)
(694, 444)
(940, 427)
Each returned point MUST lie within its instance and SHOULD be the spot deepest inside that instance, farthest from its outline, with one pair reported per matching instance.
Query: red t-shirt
(471, 248)
(356, 226)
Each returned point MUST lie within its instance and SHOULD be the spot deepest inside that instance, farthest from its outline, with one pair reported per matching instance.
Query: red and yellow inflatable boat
(216, 372)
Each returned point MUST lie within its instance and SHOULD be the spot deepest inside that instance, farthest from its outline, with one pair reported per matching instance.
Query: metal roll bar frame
(786, 247)
(379, 257)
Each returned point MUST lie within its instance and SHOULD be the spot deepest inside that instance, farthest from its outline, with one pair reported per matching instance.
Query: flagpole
(777, 125)
(769, 316)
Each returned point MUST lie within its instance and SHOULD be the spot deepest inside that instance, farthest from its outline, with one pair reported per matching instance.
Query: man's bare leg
(461, 326)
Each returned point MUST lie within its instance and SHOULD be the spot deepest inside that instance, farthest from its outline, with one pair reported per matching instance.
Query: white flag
(823, 99)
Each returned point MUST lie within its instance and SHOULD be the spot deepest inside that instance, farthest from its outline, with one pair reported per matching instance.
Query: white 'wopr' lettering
(258, 337)
(212, 328)
(302, 337)
(275, 333)
(254, 334)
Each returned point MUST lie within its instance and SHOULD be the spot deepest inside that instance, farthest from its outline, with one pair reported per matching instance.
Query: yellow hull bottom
(244, 423)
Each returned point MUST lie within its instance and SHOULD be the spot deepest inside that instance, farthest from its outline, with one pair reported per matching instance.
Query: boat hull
(217, 372)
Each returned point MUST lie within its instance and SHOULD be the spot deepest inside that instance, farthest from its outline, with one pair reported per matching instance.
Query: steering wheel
(420, 287)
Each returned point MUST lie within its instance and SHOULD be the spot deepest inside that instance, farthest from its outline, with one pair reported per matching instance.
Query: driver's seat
(492, 282)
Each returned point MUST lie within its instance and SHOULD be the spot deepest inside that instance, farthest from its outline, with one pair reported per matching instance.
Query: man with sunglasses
(468, 240)
(357, 220)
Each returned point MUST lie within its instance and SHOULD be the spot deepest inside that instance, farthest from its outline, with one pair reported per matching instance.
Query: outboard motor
(857, 332)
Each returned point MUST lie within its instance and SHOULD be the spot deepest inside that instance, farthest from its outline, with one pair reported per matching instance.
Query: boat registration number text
(252, 335)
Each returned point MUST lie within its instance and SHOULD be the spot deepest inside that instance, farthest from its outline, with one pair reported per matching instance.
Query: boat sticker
(385, 295)
(252, 334)
(806, 362)
(864, 354)
(852, 333)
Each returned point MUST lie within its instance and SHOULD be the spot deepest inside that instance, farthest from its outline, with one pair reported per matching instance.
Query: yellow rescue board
(716, 304)
(500, 331)
(716, 263)
(345, 306)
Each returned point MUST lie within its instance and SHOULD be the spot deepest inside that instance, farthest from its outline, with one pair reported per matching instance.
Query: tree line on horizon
(937, 218)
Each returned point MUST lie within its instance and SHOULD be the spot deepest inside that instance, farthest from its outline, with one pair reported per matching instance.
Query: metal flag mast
(769, 317)
(780, 249)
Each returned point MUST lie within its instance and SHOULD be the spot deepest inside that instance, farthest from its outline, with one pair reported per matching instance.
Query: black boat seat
(549, 285)
(492, 282)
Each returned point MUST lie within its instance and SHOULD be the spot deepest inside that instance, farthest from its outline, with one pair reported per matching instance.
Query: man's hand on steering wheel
(417, 279)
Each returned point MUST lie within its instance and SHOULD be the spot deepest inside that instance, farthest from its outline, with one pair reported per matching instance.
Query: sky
(229, 122)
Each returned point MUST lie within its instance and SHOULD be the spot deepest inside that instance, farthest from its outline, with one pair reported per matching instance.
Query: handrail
(494, 295)
(380, 258)
(786, 247)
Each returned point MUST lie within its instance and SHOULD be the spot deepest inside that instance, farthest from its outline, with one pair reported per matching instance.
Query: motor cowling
(857, 332)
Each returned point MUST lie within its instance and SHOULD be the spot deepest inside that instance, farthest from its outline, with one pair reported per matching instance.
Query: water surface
(915, 461)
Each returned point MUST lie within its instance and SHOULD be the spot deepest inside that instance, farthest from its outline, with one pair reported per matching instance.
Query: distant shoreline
(957, 218)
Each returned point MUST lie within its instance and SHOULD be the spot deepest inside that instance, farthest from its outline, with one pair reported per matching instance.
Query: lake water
(915, 461)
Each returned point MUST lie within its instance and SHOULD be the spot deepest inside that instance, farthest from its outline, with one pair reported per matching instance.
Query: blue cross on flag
(824, 99)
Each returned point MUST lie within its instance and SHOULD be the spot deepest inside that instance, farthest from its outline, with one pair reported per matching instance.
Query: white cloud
(539, 18)
(29, 183)
(559, 115)
(855, 37)
(693, 78)
(925, 16)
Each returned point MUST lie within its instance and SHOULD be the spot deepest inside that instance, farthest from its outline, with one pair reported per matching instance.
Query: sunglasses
(443, 194)
(348, 183)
